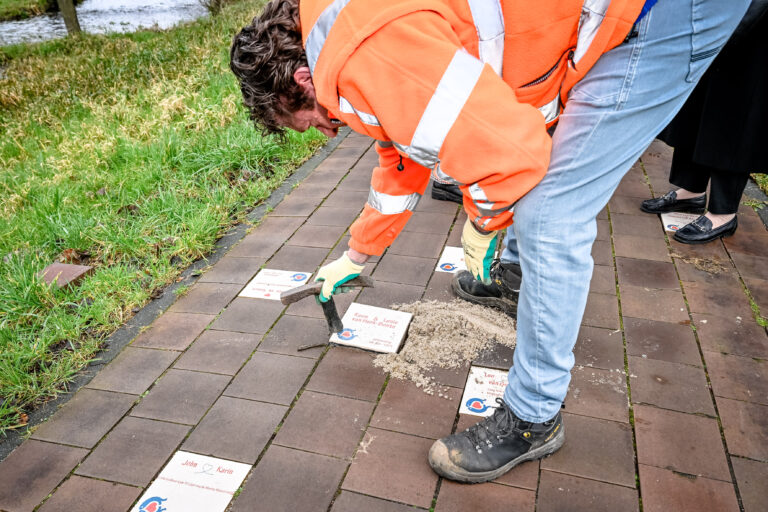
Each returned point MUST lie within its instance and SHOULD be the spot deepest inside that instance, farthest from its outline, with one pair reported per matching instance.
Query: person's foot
(701, 231)
(670, 202)
(492, 447)
(446, 192)
(501, 293)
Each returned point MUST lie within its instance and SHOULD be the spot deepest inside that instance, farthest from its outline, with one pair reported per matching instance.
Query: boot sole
(453, 472)
(501, 303)
(690, 209)
(442, 195)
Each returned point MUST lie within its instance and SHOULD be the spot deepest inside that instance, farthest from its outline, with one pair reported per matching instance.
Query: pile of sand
(445, 335)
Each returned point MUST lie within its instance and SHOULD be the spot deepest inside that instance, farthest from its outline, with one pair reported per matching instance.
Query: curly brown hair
(264, 57)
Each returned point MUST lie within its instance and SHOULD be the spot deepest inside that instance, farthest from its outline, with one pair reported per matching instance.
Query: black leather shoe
(670, 203)
(501, 293)
(700, 231)
(494, 446)
(446, 192)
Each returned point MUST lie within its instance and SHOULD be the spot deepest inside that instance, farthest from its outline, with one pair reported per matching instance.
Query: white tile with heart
(484, 386)
(269, 284)
(372, 328)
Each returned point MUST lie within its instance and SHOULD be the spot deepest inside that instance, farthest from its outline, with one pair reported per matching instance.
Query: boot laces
(493, 429)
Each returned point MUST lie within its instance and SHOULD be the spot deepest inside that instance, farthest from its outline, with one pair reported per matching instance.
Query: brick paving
(667, 409)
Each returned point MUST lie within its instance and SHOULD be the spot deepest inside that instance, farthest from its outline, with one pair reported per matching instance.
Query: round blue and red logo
(448, 267)
(347, 334)
(477, 405)
(153, 504)
(298, 277)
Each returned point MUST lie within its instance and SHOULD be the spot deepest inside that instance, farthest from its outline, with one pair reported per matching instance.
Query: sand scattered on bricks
(445, 335)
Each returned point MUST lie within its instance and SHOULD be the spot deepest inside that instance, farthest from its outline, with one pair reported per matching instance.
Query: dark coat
(724, 120)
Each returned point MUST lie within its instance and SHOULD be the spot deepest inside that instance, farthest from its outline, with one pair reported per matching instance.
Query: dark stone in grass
(65, 274)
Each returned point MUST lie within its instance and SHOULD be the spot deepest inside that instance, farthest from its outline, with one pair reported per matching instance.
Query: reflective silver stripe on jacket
(456, 84)
(320, 30)
(551, 110)
(346, 107)
(489, 23)
(485, 207)
(592, 14)
(439, 176)
(392, 205)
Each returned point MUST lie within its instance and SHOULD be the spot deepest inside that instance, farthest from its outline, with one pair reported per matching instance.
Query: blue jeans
(611, 116)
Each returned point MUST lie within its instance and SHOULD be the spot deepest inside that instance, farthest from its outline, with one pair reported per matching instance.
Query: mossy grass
(134, 151)
(20, 9)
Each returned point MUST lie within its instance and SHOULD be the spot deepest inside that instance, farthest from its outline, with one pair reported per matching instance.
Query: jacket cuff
(371, 249)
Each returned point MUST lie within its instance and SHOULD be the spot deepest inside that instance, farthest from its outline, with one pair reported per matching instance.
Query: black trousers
(725, 189)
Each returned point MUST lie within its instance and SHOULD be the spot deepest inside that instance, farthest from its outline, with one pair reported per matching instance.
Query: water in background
(101, 16)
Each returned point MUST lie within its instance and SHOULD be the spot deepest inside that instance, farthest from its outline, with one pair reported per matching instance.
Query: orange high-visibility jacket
(462, 90)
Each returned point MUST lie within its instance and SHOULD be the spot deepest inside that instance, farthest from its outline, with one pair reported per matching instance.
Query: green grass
(762, 181)
(19, 9)
(133, 149)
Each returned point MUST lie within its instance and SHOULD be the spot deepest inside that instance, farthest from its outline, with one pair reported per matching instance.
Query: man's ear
(303, 77)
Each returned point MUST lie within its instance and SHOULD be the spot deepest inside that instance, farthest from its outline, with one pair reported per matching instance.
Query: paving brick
(602, 253)
(218, 352)
(422, 245)
(750, 243)
(348, 372)
(291, 332)
(758, 288)
(330, 216)
(662, 341)
(308, 306)
(453, 377)
(603, 230)
(173, 331)
(559, 493)
(235, 429)
(65, 274)
(134, 451)
(603, 279)
(253, 316)
(430, 222)
(744, 425)
(181, 396)
(207, 298)
(267, 238)
(711, 251)
(327, 424)
(665, 490)
(641, 247)
(672, 386)
(233, 270)
(598, 393)
(353, 502)
(405, 269)
(319, 184)
(721, 300)
(287, 479)
(408, 409)
(647, 273)
(653, 304)
(752, 480)
(525, 475)
(317, 236)
(496, 356)
(681, 442)
(738, 336)
(439, 287)
(454, 237)
(393, 466)
(709, 272)
(602, 214)
(487, 497)
(602, 311)
(625, 204)
(32, 471)
(740, 378)
(89, 495)
(271, 378)
(599, 348)
(636, 225)
(751, 266)
(84, 419)
(133, 370)
(427, 204)
(595, 449)
(386, 294)
(290, 257)
(296, 205)
(347, 199)
(634, 186)
(356, 181)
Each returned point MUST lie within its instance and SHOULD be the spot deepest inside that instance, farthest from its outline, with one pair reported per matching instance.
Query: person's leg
(612, 115)
(690, 179)
(725, 191)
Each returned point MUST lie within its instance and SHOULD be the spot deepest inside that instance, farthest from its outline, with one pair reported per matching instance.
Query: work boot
(492, 447)
(446, 192)
(501, 293)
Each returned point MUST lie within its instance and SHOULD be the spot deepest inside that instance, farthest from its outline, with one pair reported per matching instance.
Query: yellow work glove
(335, 274)
(479, 250)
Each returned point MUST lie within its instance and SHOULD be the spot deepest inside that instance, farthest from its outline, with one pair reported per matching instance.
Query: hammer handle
(298, 293)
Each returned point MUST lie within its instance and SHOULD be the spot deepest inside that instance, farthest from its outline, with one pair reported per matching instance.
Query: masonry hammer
(329, 308)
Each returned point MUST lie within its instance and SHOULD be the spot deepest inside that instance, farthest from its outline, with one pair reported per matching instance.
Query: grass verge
(127, 152)
(20, 9)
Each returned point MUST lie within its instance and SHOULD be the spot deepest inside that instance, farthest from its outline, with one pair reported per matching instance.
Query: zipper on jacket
(547, 74)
